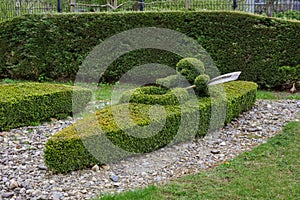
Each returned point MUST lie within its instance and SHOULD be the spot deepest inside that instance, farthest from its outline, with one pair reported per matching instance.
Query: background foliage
(53, 46)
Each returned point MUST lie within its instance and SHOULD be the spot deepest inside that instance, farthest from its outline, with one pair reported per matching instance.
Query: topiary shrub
(201, 82)
(152, 95)
(190, 68)
(66, 150)
(22, 104)
(171, 81)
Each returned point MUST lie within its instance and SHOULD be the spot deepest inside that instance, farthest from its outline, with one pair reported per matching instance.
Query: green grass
(272, 95)
(104, 92)
(269, 171)
(8, 81)
(107, 92)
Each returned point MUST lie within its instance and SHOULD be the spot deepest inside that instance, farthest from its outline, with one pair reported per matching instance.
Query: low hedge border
(65, 151)
(23, 104)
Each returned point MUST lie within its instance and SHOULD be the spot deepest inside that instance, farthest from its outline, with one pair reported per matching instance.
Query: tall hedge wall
(53, 46)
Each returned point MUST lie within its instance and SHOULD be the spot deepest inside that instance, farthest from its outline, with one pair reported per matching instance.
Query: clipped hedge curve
(65, 151)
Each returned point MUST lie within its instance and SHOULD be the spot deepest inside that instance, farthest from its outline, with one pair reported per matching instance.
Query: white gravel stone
(13, 184)
(105, 167)
(95, 168)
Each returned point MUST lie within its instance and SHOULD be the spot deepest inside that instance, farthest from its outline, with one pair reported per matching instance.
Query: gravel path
(23, 174)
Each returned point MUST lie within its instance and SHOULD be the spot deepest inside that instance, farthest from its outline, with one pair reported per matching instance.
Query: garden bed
(66, 150)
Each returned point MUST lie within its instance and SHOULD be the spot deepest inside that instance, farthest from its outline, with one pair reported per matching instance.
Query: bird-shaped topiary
(201, 85)
(190, 68)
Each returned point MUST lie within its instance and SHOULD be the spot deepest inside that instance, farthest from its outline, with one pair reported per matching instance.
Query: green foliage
(22, 104)
(7, 80)
(239, 103)
(169, 81)
(201, 85)
(291, 14)
(138, 58)
(55, 45)
(190, 68)
(65, 150)
(290, 74)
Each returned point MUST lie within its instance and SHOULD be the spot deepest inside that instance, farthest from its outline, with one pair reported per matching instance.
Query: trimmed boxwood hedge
(66, 151)
(54, 45)
(22, 104)
(155, 95)
(190, 68)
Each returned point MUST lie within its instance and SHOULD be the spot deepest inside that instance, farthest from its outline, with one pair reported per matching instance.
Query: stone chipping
(23, 174)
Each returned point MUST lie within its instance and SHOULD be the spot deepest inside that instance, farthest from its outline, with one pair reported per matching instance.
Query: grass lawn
(262, 94)
(104, 92)
(270, 171)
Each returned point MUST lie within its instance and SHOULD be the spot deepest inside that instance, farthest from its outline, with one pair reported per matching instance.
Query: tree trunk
(188, 4)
